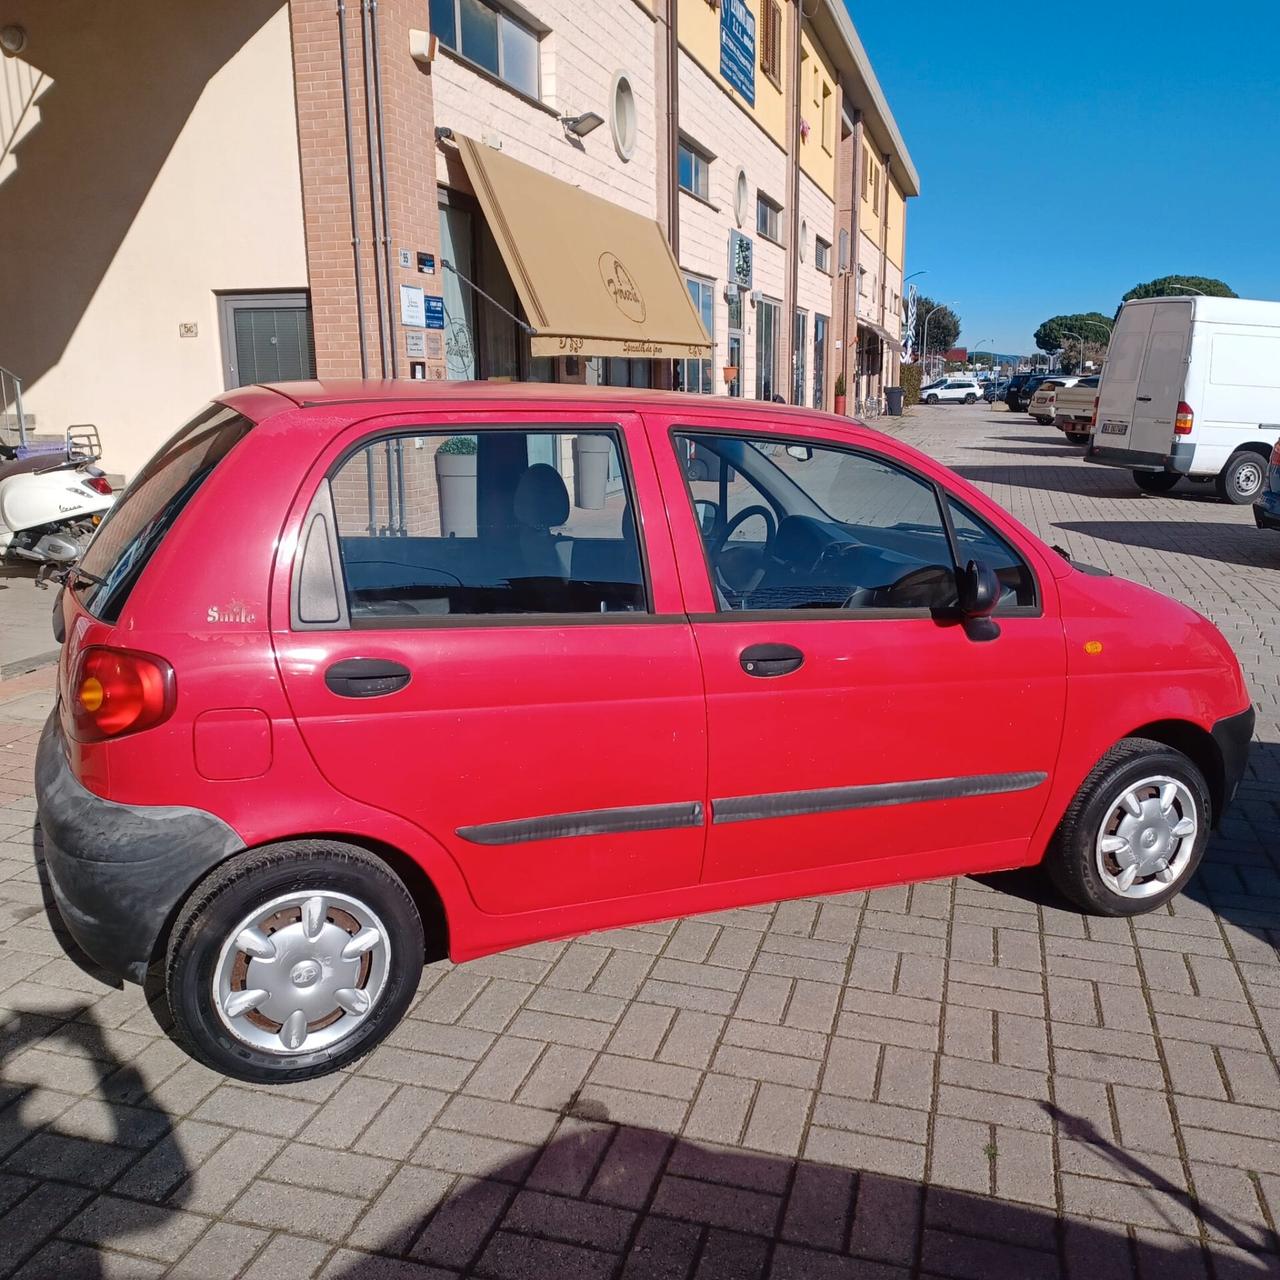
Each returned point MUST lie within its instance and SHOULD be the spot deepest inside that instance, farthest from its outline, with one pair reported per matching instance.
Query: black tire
(1155, 481)
(1071, 861)
(1241, 480)
(1042, 420)
(971, 399)
(232, 891)
(1078, 437)
(931, 399)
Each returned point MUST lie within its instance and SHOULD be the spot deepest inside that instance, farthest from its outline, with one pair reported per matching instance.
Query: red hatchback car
(356, 674)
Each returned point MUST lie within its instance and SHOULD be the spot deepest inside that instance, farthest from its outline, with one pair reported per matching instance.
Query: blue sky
(1169, 134)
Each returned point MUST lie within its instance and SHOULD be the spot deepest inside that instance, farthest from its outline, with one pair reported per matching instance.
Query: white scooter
(51, 504)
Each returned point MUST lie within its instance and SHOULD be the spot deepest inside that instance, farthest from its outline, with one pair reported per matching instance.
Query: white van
(1191, 388)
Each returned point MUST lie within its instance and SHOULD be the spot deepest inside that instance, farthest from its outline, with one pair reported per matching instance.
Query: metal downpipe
(371, 153)
(351, 185)
(382, 187)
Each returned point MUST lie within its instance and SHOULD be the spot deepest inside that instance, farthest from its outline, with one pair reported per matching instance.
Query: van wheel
(290, 962)
(1078, 437)
(1155, 481)
(1135, 832)
(1241, 480)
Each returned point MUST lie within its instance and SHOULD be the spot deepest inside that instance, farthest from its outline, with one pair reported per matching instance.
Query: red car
(356, 674)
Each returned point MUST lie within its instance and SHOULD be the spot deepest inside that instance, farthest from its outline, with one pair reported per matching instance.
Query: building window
(771, 39)
(767, 319)
(695, 375)
(819, 361)
(694, 171)
(624, 117)
(799, 358)
(768, 218)
(822, 254)
(266, 337)
(490, 38)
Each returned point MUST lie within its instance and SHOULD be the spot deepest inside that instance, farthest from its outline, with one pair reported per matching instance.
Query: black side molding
(589, 822)
(875, 795)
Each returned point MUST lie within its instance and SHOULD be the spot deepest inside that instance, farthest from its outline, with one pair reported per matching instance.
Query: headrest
(541, 501)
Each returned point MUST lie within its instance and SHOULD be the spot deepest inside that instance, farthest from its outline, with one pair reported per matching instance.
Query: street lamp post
(924, 340)
(1066, 333)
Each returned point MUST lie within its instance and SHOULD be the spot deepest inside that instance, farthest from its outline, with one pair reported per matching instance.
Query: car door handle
(770, 659)
(1145, 399)
(366, 677)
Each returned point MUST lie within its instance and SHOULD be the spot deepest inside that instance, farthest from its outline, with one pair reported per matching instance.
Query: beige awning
(882, 333)
(595, 279)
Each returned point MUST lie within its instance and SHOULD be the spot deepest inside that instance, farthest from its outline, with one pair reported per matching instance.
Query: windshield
(137, 524)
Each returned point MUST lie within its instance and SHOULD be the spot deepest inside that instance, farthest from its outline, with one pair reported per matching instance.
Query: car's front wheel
(970, 398)
(931, 399)
(292, 961)
(1135, 832)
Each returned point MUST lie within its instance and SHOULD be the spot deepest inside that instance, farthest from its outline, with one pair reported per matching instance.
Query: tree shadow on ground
(58, 1153)
(603, 1199)
(1241, 544)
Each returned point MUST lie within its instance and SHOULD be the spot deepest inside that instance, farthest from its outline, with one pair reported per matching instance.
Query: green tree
(1180, 286)
(1055, 334)
(944, 326)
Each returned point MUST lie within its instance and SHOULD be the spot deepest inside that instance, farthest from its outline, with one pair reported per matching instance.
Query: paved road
(961, 1078)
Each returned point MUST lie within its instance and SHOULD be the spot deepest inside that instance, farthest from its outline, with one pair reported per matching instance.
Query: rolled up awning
(882, 333)
(594, 279)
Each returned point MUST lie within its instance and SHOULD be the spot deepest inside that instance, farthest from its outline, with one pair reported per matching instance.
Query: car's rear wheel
(290, 962)
(1155, 481)
(1078, 437)
(1042, 420)
(1135, 832)
(1241, 480)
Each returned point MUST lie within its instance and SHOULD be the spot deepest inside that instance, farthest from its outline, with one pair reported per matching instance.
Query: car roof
(260, 401)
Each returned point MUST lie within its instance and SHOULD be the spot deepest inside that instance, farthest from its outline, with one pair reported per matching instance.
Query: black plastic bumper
(118, 871)
(1177, 461)
(1233, 736)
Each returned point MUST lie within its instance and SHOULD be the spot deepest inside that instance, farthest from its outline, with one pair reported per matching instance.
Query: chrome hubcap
(301, 972)
(1249, 478)
(1147, 837)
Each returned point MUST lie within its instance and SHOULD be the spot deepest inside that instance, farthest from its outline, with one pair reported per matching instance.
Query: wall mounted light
(580, 126)
(13, 39)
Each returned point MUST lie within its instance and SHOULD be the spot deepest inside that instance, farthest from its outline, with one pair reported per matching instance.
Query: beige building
(702, 193)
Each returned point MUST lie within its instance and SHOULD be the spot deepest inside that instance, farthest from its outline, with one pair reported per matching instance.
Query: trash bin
(893, 401)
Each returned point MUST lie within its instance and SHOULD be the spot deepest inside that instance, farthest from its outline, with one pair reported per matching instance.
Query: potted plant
(591, 455)
(730, 372)
(456, 478)
(840, 394)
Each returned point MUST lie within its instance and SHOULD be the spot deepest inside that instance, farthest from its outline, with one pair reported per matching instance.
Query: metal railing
(11, 394)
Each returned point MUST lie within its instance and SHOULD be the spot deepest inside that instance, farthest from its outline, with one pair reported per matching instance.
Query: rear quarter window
(146, 511)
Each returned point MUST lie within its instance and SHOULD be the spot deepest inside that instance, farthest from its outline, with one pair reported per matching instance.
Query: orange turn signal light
(1092, 647)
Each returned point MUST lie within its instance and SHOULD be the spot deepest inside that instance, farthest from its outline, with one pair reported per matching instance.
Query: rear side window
(137, 524)
(497, 522)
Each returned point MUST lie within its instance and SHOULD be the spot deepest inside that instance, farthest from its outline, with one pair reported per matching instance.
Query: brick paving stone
(914, 1081)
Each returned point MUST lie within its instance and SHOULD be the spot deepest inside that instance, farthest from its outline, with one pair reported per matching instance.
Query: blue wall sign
(435, 311)
(738, 47)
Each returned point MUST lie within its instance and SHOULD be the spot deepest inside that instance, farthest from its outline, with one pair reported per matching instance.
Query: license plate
(1114, 428)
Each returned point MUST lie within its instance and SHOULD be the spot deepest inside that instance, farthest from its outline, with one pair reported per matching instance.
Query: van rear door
(1163, 373)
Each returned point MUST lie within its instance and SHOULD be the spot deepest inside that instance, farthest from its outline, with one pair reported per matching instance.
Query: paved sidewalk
(960, 1079)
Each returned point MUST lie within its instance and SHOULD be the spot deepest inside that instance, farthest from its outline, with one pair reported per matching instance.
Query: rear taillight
(99, 484)
(117, 691)
(1094, 423)
(1185, 420)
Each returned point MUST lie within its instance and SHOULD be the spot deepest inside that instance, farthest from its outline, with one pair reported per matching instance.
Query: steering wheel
(770, 527)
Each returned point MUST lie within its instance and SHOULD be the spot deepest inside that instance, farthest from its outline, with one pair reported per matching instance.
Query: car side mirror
(978, 589)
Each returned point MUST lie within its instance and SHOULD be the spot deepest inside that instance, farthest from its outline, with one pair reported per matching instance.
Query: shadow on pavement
(1096, 482)
(57, 1153)
(1241, 544)
(615, 1200)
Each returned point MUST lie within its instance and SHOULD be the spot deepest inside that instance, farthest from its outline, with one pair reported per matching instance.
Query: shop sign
(738, 47)
(741, 260)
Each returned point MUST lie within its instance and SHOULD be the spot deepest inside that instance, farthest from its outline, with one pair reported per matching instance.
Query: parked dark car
(1266, 509)
(1028, 389)
(997, 388)
(1014, 389)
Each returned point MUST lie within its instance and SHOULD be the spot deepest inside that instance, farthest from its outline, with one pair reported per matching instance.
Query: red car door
(507, 663)
(858, 732)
